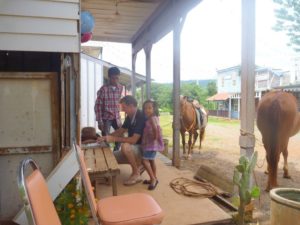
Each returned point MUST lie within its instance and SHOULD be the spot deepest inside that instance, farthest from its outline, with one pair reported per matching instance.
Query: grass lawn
(166, 125)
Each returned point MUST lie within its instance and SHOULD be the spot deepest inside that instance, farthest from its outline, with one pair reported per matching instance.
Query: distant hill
(202, 83)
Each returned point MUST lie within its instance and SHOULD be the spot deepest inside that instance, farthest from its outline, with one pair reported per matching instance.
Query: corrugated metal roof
(219, 97)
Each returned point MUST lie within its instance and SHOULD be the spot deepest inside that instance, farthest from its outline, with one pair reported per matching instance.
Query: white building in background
(227, 100)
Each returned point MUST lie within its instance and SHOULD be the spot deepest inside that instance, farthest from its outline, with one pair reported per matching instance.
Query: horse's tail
(202, 130)
(202, 135)
(273, 139)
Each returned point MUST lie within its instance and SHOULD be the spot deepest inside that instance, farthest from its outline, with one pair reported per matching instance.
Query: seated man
(130, 152)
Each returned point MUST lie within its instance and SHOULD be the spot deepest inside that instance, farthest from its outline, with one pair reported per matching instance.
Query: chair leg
(114, 185)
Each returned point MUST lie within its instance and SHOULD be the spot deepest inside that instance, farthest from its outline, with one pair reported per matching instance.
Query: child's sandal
(147, 182)
(152, 186)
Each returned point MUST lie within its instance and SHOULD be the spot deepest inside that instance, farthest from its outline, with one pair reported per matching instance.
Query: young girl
(152, 141)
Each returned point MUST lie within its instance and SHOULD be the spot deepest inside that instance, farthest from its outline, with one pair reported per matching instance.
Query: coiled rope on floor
(193, 188)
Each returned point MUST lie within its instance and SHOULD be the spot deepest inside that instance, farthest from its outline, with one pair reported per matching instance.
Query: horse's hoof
(189, 157)
(266, 172)
(287, 176)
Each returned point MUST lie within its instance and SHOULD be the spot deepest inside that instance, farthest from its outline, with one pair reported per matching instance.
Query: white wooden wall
(91, 81)
(40, 25)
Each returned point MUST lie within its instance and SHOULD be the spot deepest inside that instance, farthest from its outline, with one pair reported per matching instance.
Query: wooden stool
(101, 163)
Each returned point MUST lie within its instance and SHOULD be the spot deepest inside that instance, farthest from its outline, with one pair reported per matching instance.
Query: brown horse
(277, 119)
(189, 123)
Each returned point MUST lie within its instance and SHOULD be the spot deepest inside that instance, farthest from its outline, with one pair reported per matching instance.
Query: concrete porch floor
(179, 209)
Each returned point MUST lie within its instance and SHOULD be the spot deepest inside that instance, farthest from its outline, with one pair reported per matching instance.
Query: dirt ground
(220, 151)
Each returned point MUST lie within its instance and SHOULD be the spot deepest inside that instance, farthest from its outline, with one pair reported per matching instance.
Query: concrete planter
(285, 206)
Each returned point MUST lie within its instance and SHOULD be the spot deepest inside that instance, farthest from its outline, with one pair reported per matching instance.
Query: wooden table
(101, 163)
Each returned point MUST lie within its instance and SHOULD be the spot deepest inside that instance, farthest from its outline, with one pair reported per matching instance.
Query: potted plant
(241, 178)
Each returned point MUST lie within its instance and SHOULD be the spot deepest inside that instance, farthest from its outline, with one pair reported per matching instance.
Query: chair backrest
(34, 192)
(86, 182)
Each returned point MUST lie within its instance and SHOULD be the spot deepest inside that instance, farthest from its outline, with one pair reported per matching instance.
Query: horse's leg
(265, 146)
(272, 178)
(182, 132)
(267, 170)
(195, 136)
(285, 165)
(202, 134)
(190, 144)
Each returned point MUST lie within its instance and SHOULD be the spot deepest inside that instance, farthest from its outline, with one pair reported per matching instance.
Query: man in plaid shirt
(107, 104)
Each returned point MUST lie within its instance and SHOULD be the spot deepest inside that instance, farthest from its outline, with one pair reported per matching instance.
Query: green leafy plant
(71, 205)
(241, 178)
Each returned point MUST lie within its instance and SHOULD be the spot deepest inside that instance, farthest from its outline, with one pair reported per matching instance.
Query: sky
(210, 40)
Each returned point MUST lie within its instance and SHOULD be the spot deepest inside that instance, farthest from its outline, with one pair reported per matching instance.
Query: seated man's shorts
(137, 151)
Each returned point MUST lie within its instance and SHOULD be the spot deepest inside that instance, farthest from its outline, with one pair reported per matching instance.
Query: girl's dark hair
(154, 104)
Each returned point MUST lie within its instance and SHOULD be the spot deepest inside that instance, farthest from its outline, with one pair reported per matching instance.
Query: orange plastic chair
(130, 209)
(34, 192)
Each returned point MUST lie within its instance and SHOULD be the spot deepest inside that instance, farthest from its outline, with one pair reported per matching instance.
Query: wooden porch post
(239, 107)
(247, 139)
(133, 87)
(142, 94)
(176, 92)
(147, 50)
(229, 108)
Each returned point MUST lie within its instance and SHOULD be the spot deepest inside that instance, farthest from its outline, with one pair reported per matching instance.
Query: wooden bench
(101, 164)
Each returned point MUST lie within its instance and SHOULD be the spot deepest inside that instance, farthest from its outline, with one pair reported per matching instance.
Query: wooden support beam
(142, 94)
(133, 87)
(176, 92)
(247, 139)
(147, 50)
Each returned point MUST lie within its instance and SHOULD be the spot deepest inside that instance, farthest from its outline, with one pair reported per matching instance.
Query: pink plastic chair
(130, 209)
(34, 192)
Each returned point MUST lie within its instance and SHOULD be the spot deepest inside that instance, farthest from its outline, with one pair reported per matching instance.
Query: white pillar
(247, 139)
(133, 87)
(147, 50)
(176, 91)
(229, 108)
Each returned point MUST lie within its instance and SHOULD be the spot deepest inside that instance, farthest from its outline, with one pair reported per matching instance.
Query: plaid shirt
(107, 103)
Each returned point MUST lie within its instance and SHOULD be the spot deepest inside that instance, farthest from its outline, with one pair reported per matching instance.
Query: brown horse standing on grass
(189, 123)
(277, 119)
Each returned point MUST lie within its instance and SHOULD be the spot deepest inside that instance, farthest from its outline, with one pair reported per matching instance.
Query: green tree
(288, 21)
(211, 88)
(195, 91)
(162, 94)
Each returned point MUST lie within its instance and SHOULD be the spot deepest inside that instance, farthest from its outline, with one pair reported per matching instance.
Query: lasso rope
(193, 188)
